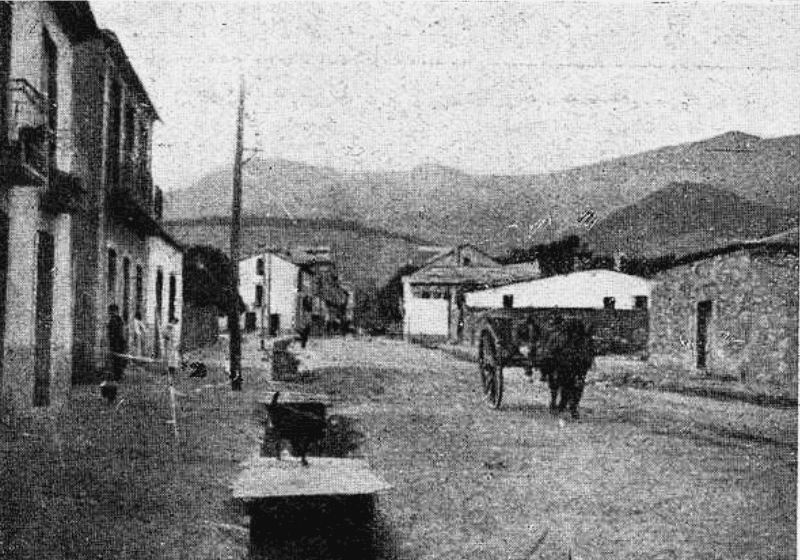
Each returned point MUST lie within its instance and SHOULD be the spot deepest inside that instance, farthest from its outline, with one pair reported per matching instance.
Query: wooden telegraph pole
(236, 224)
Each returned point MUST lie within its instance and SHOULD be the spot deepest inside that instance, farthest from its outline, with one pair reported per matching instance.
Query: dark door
(159, 308)
(703, 319)
(3, 274)
(44, 319)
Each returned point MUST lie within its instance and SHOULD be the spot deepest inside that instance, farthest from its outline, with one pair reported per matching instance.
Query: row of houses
(285, 291)
(79, 213)
(731, 311)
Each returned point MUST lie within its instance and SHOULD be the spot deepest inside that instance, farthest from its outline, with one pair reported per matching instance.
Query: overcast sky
(487, 87)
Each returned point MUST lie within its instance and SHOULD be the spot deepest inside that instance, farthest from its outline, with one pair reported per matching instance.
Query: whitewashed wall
(280, 289)
(585, 289)
(426, 317)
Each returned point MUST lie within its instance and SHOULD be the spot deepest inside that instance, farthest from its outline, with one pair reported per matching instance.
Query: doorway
(44, 319)
(3, 275)
(704, 310)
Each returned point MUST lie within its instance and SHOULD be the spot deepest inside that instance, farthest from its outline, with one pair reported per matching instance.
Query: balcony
(65, 192)
(135, 200)
(135, 178)
(27, 153)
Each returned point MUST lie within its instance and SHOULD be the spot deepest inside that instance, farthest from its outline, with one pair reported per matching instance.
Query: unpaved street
(643, 475)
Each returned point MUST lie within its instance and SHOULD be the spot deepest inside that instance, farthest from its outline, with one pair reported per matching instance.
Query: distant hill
(445, 206)
(684, 218)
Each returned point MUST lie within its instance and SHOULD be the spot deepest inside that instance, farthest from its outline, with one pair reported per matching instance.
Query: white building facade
(269, 285)
(164, 292)
(588, 289)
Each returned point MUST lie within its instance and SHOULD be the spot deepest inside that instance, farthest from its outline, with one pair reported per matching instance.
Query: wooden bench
(324, 510)
(316, 403)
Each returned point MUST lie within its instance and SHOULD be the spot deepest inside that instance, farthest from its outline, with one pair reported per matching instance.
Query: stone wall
(752, 333)
(616, 331)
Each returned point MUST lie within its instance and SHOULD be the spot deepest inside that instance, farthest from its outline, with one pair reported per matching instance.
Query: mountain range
(442, 205)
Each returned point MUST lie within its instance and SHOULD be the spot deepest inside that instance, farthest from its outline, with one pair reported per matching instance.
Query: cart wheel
(491, 371)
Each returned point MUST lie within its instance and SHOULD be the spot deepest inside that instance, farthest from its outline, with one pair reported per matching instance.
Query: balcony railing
(28, 132)
(135, 178)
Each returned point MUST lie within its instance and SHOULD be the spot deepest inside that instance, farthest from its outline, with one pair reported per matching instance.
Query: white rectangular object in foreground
(266, 477)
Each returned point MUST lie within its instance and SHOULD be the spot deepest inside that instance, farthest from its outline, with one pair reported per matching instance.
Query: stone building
(78, 209)
(731, 312)
(124, 255)
(42, 175)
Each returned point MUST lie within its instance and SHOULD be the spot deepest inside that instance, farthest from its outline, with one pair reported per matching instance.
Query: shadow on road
(321, 527)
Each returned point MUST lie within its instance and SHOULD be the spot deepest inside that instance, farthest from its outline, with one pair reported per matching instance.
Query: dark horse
(564, 354)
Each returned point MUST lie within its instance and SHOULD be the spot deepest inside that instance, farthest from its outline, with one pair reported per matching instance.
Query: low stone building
(731, 312)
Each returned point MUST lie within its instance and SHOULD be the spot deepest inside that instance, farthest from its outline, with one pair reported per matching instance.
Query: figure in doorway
(171, 346)
(116, 342)
(138, 335)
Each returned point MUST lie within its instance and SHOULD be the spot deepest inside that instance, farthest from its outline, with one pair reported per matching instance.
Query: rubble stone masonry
(752, 331)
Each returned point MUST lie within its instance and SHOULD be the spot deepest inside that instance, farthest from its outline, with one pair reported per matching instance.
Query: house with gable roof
(433, 296)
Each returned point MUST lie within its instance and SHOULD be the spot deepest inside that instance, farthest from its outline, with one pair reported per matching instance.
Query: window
(130, 132)
(139, 289)
(126, 288)
(466, 261)
(173, 292)
(259, 296)
(51, 69)
(159, 294)
(609, 303)
(144, 144)
(44, 318)
(260, 267)
(111, 278)
(113, 133)
(508, 301)
(640, 302)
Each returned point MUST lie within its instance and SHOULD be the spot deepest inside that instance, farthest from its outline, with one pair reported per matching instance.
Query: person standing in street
(116, 342)
(171, 346)
(138, 335)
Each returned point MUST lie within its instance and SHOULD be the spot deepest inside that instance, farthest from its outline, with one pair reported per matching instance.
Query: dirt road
(643, 475)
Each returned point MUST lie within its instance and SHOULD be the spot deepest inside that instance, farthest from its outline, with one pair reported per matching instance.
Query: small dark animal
(304, 333)
(298, 427)
(108, 391)
(196, 369)
(565, 355)
(236, 381)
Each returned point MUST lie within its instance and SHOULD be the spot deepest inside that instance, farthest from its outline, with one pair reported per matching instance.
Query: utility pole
(269, 290)
(235, 352)
(263, 295)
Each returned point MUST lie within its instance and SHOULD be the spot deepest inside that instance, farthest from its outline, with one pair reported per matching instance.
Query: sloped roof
(131, 77)
(305, 259)
(476, 277)
(788, 238)
(436, 258)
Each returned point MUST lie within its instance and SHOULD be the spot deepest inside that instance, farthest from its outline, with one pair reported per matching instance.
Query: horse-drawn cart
(506, 339)
(561, 343)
